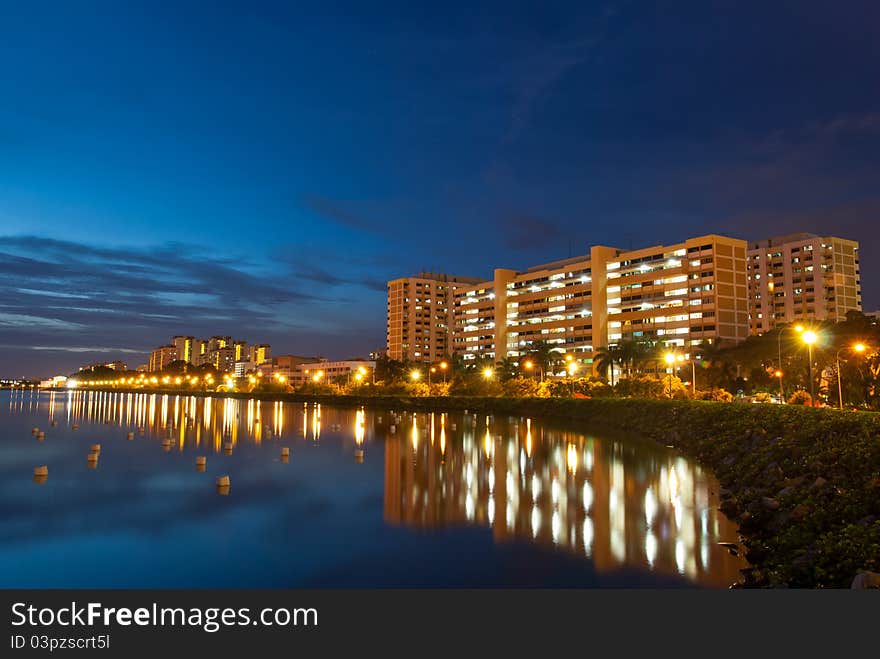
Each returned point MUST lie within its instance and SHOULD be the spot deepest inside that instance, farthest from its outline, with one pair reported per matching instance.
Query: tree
(605, 357)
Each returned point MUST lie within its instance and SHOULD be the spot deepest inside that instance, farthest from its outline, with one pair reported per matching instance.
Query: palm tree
(545, 356)
(605, 357)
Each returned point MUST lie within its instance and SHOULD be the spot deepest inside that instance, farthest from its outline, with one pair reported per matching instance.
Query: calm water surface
(436, 500)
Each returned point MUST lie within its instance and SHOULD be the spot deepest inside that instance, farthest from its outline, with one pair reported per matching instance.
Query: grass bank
(804, 484)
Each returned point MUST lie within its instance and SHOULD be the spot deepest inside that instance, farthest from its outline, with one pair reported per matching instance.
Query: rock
(868, 520)
(729, 507)
(730, 547)
(866, 580)
(794, 482)
(819, 482)
(769, 503)
(785, 492)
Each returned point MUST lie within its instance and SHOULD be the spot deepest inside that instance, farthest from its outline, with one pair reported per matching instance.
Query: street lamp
(572, 369)
(488, 373)
(810, 337)
(670, 360)
(683, 358)
(797, 328)
(431, 370)
(415, 374)
(859, 348)
(443, 366)
(529, 365)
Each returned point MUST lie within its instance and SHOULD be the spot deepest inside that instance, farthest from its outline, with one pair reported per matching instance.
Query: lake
(366, 498)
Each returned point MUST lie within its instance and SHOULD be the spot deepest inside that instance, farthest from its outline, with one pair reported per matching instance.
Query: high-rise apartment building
(680, 294)
(185, 348)
(217, 342)
(260, 353)
(802, 276)
(419, 315)
(161, 357)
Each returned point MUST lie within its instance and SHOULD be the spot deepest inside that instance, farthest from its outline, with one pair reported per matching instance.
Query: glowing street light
(488, 373)
(857, 348)
(415, 374)
(797, 328)
(669, 358)
(810, 337)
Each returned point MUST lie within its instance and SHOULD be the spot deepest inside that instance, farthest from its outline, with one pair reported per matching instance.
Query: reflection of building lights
(536, 521)
(588, 496)
(588, 536)
(673, 484)
(650, 548)
(679, 555)
(572, 458)
(650, 506)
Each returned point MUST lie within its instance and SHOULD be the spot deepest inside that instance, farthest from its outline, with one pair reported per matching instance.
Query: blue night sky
(261, 169)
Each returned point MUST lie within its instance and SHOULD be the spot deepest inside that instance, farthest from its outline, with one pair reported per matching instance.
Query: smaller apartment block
(418, 316)
(802, 276)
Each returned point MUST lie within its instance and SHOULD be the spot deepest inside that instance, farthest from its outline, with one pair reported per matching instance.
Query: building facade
(161, 357)
(184, 345)
(680, 295)
(800, 277)
(339, 372)
(419, 316)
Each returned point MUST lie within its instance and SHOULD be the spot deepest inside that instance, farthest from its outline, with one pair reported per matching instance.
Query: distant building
(328, 372)
(117, 365)
(800, 277)
(184, 346)
(223, 359)
(261, 353)
(161, 357)
(54, 383)
(287, 365)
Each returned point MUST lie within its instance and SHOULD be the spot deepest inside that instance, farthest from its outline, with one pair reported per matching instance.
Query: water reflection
(616, 503)
(620, 505)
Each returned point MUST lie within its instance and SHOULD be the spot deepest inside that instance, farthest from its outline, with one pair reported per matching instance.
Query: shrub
(718, 395)
(652, 386)
(520, 387)
(800, 397)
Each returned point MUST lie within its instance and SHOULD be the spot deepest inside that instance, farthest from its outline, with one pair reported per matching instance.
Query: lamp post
(443, 366)
(797, 328)
(809, 337)
(670, 360)
(431, 370)
(415, 374)
(858, 347)
(529, 365)
(683, 358)
(572, 369)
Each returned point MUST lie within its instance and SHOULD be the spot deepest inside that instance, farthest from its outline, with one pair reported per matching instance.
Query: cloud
(333, 210)
(528, 232)
(56, 293)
